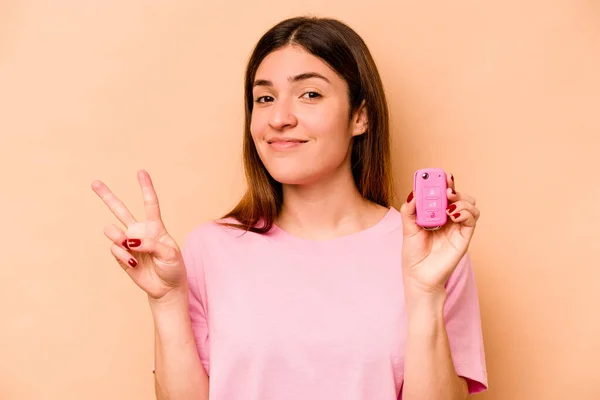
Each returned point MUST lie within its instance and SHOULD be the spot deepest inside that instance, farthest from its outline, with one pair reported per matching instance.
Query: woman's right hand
(146, 251)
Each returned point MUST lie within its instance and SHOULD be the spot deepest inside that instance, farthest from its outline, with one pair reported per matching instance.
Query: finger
(450, 181)
(463, 212)
(150, 198)
(161, 251)
(116, 235)
(456, 196)
(408, 212)
(114, 204)
(125, 260)
(465, 218)
(461, 205)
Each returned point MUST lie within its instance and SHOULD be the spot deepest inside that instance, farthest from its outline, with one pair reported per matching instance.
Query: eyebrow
(297, 78)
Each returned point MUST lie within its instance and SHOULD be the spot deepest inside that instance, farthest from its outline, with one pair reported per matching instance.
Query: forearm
(429, 371)
(179, 374)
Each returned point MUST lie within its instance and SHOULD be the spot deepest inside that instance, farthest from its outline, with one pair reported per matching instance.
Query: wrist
(413, 287)
(425, 315)
(175, 298)
(171, 315)
(424, 301)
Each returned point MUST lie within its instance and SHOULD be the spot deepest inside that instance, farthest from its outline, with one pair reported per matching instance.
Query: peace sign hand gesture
(146, 251)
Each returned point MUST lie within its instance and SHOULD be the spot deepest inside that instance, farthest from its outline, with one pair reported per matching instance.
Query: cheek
(258, 130)
(329, 127)
(257, 126)
(319, 117)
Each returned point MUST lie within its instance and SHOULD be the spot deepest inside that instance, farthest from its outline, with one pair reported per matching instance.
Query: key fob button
(431, 192)
(431, 204)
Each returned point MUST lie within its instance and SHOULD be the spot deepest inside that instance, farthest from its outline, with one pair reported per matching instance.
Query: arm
(179, 373)
(429, 371)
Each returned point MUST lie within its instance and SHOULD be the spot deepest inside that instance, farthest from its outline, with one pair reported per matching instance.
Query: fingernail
(451, 207)
(132, 262)
(133, 242)
(456, 215)
(125, 244)
(410, 197)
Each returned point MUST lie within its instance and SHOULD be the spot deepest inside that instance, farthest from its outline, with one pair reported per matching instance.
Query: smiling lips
(285, 144)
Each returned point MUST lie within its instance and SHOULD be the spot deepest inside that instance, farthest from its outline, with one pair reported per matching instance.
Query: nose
(282, 114)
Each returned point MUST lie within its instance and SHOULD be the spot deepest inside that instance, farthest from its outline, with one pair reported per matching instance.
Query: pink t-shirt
(279, 317)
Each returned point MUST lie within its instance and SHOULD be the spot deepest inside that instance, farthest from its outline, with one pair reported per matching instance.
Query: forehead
(291, 61)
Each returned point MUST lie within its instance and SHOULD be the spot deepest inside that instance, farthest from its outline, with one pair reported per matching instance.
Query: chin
(288, 176)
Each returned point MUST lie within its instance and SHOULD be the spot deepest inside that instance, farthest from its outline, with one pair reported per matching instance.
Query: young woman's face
(300, 118)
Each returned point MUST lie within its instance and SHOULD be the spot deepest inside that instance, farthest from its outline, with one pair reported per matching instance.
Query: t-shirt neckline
(390, 221)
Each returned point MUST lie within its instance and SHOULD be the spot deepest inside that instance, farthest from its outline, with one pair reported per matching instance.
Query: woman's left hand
(430, 257)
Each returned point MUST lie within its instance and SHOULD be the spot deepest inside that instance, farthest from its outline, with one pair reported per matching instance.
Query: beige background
(503, 94)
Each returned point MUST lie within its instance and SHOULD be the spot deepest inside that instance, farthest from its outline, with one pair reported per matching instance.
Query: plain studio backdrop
(503, 94)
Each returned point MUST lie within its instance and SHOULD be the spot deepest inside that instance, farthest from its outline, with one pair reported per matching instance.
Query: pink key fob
(430, 186)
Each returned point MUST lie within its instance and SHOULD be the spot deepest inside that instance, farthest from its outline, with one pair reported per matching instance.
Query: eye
(312, 95)
(264, 99)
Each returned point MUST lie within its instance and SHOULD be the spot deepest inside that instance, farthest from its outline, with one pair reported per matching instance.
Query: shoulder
(214, 244)
(218, 230)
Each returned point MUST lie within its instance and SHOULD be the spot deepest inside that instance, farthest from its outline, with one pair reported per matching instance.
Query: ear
(360, 120)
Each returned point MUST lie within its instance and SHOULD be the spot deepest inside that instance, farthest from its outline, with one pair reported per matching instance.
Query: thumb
(165, 253)
(408, 211)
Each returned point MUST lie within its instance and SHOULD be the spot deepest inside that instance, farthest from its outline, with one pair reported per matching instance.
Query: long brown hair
(344, 50)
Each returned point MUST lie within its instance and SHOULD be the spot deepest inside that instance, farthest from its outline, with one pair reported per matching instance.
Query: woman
(313, 286)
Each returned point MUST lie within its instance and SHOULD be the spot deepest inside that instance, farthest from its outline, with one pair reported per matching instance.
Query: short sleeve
(192, 258)
(197, 298)
(463, 325)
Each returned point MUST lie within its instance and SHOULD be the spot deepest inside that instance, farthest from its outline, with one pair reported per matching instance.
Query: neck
(328, 208)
